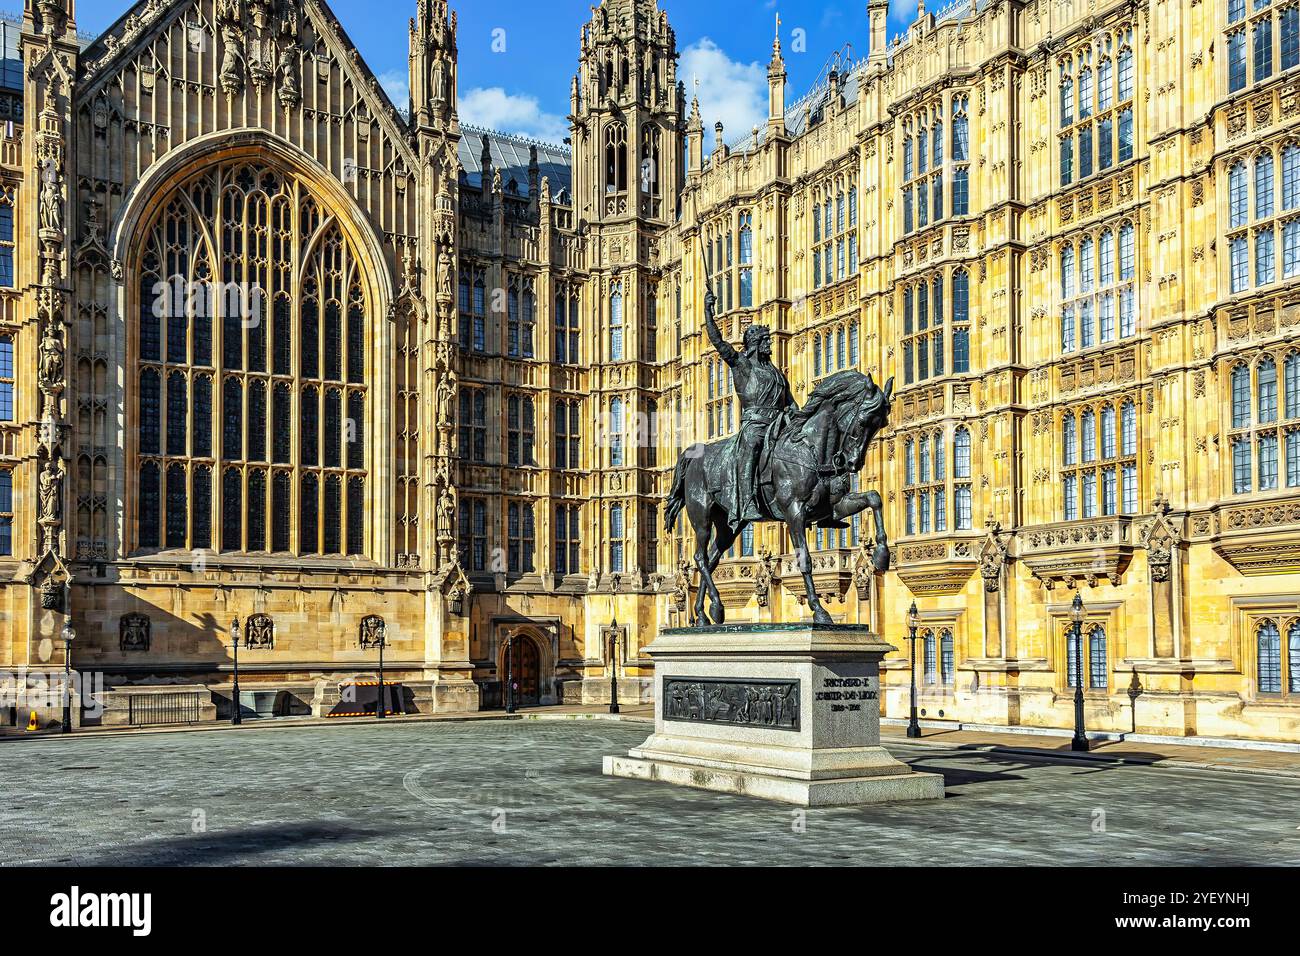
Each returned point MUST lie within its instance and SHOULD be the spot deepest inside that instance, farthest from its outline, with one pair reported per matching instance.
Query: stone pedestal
(786, 712)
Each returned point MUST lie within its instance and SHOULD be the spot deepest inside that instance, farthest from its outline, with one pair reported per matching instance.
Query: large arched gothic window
(250, 372)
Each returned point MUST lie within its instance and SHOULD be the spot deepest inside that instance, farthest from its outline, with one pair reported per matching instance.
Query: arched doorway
(524, 665)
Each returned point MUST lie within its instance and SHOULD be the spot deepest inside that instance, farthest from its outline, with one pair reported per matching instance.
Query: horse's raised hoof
(718, 613)
(880, 558)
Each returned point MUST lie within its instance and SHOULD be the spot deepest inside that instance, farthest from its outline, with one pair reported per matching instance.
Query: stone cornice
(1078, 551)
(936, 566)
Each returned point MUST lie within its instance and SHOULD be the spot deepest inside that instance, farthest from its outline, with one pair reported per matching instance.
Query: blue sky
(525, 89)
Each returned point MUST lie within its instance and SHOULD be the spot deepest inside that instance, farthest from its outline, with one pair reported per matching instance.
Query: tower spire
(776, 85)
(433, 63)
(878, 21)
(695, 137)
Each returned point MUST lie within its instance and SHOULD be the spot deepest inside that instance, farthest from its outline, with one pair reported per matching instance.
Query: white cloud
(734, 93)
(511, 113)
(396, 84)
(904, 11)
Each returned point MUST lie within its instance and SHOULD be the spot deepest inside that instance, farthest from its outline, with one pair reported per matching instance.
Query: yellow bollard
(31, 723)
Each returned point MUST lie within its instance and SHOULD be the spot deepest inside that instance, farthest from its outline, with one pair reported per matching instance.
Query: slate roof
(510, 155)
(801, 114)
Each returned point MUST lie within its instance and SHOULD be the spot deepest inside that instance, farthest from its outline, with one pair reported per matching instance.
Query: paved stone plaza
(531, 792)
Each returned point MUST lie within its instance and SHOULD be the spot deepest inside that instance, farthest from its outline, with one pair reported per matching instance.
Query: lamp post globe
(913, 623)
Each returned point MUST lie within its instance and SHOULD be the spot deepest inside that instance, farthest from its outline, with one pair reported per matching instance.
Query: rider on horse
(785, 464)
(765, 398)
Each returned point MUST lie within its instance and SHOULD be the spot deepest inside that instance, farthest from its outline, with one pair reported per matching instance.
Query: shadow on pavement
(221, 847)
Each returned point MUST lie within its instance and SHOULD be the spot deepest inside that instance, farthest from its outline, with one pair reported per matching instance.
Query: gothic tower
(627, 121)
(627, 116)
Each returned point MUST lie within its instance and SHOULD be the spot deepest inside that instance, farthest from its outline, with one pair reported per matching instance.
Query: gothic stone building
(1068, 229)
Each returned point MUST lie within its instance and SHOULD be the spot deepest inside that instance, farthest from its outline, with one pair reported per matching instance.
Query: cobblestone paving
(532, 793)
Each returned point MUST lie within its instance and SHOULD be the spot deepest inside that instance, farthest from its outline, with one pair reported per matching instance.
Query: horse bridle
(840, 465)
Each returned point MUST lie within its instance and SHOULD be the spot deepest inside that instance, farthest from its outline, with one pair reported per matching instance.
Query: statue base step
(787, 712)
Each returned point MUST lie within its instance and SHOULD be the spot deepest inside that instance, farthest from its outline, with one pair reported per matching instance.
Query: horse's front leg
(795, 521)
(723, 539)
(855, 503)
(852, 504)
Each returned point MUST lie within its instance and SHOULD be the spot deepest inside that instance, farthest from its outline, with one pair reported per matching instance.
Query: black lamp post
(913, 622)
(69, 635)
(380, 710)
(235, 717)
(510, 674)
(613, 665)
(1080, 741)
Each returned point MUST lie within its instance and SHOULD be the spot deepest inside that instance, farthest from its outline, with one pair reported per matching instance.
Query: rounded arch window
(252, 319)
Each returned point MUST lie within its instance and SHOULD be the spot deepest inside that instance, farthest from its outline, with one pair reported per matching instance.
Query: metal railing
(177, 708)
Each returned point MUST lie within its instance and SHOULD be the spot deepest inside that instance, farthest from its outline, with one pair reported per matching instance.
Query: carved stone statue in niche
(446, 513)
(52, 494)
(288, 12)
(446, 275)
(51, 364)
(439, 81)
(52, 204)
(230, 17)
(94, 229)
(447, 400)
(287, 69)
(410, 273)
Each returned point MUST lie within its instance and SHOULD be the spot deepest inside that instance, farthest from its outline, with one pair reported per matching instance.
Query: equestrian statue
(786, 463)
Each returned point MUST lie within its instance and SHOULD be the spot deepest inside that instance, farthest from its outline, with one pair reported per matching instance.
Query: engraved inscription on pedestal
(845, 694)
(754, 703)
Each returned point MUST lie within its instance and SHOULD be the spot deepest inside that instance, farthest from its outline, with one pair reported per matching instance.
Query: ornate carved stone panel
(755, 703)
(134, 632)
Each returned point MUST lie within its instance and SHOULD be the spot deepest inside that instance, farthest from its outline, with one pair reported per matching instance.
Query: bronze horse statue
(802, 478)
